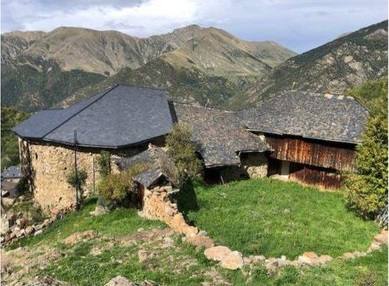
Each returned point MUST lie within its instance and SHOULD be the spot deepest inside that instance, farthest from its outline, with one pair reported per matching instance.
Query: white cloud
(298, 24)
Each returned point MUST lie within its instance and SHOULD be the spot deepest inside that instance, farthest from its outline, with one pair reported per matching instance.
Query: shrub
(183, 152)
(367, 188)
(104, 162)
(116, 187)
(77, 179)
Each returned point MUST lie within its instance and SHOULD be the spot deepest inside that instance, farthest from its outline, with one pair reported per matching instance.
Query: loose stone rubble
(21, 228)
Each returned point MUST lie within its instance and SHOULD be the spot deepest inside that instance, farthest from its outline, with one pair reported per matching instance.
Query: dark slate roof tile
(220, 135)
(121, 116)
(310, 115)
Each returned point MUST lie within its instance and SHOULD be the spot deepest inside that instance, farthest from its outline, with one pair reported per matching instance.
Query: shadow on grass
(187, 200)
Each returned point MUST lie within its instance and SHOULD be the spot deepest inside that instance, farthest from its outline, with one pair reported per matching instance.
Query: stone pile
(21, 227)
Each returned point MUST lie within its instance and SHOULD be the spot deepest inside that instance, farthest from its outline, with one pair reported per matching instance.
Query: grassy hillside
(275, 218)
(9, 143)
(124, 244)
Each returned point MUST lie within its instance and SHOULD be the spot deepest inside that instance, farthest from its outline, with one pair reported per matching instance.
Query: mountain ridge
(333, 67)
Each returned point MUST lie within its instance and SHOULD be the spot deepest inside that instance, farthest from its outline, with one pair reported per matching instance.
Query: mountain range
(207, 66)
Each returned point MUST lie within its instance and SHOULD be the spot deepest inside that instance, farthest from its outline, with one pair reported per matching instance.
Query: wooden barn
(313, 136)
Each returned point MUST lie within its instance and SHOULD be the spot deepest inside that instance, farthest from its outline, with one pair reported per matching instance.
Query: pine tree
(367, 190)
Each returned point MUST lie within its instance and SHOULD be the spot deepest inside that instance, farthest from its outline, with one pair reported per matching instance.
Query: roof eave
(307, 137)
(70, 144)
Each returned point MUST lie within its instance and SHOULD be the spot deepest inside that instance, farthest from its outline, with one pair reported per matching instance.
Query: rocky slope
(334, 67)
(41, 69)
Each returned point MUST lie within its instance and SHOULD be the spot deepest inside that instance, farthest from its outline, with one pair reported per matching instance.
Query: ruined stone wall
(255, 164)
(157, 205)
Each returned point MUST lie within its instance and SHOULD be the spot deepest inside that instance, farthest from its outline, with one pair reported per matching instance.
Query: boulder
(232, 261)
(217, 253)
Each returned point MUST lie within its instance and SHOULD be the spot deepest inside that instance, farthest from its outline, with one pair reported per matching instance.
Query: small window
(36, 156)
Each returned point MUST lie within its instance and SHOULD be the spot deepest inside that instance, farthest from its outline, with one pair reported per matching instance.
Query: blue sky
(297, 24)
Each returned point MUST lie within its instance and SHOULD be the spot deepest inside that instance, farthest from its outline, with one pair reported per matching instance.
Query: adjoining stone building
(125, 121)
(228, 150)
(313, 136)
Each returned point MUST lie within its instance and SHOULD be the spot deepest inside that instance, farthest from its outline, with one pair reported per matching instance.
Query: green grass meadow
(274, 218)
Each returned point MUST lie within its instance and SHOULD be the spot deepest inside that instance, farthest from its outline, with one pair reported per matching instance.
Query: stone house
(123, 120)
(313, 136)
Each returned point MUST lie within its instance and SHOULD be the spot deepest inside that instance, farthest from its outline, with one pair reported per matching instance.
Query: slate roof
(310, 115)
(158, 162)
(118, 117)
(220, 135)
(12, 172)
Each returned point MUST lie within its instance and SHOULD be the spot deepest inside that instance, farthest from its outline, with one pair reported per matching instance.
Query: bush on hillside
(115, 188)
(367, 189)
(183, 152)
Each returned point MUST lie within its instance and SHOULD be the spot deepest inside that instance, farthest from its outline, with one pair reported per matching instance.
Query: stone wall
(254, 164)
(50, 165)
(157, 205)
